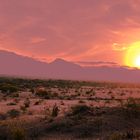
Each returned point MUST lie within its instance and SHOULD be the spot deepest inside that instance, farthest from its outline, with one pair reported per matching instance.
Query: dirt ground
(83, 112)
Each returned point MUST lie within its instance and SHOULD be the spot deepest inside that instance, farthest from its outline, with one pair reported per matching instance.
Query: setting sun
(132, 57)
(137, 62)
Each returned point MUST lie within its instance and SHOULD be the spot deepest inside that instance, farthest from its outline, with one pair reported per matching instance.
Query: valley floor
(68, 110)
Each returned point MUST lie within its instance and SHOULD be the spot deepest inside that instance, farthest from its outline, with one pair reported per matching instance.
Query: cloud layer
(76, 30)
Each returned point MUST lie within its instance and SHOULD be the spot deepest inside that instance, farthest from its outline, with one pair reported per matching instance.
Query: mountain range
(12, 64)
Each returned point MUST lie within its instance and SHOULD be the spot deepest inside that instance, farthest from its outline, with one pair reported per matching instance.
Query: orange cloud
(73, 30)
(35, 40)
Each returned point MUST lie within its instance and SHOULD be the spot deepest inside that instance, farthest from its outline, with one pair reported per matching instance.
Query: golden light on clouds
(132, 57)
(118, 47)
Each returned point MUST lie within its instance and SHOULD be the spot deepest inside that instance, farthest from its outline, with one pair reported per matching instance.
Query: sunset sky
(75, 30)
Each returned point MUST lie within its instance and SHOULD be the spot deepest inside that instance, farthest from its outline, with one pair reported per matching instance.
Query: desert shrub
(8, 88)
(27, 103)
(13, 113)
(132, 108)
(122, 94)
(84, 132)
(11, 104)
(16, 130)
(18, 134)
(129, 135)
(61, 97)
(68, 98)
(110, 92)
(62, 103)
(38, 102)
(112, 97)
(30, 113)
(88, 92)
(107, 101)
(16, 100)
(3, 116)
(43, 93)
(115, 136)
(23, 108)
(55, 94)
(121, 103)
(55, 111)
(132, 134)
(81, 101)
(80, 109)
(78, 94)
(131, 103)
(32, 90)
(3, 133)
(93, 93)
(98, 122)
(15, 95)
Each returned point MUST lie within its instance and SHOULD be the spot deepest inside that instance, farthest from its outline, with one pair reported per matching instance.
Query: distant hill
(17, 65)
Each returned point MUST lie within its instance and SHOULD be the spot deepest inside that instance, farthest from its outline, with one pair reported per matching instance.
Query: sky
(74, 30)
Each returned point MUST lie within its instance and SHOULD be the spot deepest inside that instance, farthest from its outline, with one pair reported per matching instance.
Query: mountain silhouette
(12, 64)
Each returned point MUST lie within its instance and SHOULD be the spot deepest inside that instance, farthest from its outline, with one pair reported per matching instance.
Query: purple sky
(75, 30)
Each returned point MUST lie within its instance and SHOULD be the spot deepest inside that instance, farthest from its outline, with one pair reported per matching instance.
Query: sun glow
(132, 57)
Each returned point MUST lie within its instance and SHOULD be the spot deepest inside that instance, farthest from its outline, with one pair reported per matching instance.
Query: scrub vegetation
(34, 109)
